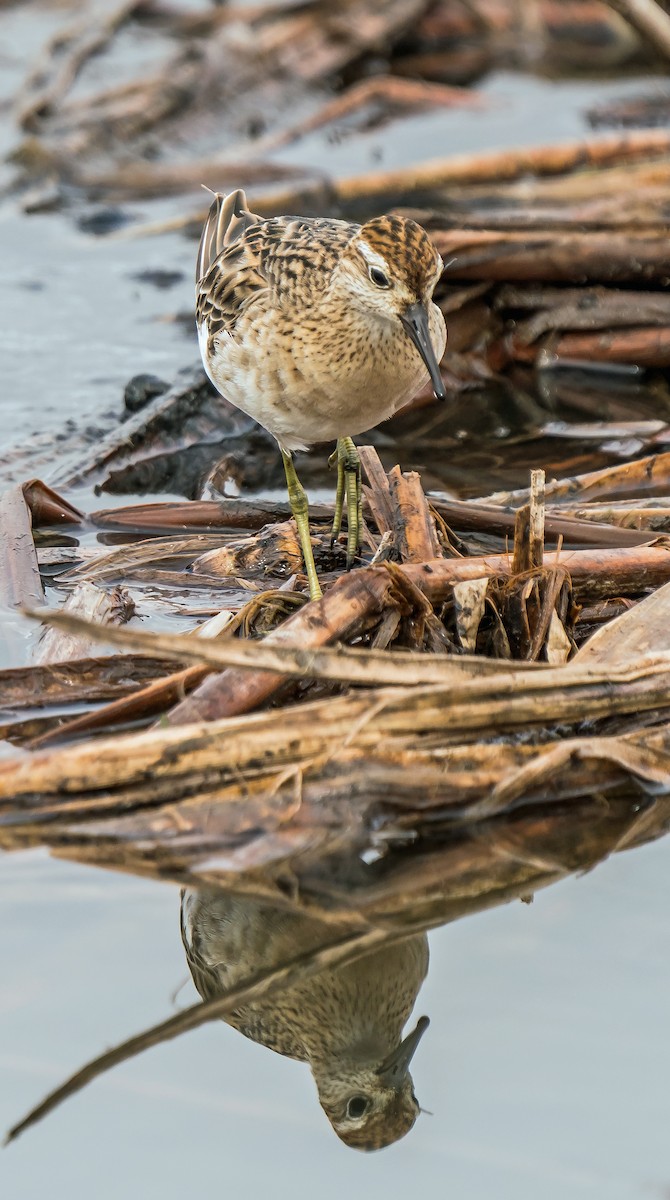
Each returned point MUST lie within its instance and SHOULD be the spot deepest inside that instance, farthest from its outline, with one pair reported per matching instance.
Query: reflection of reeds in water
(370, 909)
(346, 1022)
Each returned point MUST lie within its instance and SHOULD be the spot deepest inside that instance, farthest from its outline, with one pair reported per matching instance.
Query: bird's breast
(316, 378)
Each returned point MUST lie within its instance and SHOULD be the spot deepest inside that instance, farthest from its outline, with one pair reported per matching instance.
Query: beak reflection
(394, 1068)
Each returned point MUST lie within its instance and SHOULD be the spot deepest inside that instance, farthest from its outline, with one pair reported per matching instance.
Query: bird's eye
(379, 278)
(357, 1107)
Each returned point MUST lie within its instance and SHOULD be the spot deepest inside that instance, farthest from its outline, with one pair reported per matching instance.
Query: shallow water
(545, 1067)
(547, 1062)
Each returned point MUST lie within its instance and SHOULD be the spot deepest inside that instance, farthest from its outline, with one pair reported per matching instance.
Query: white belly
(306, 393)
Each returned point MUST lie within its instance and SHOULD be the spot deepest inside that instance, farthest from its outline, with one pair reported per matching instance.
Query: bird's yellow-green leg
(339, 496)
(349, 486)
(299, 507)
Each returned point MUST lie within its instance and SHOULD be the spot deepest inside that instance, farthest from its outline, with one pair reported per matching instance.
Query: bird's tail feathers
(228, 219)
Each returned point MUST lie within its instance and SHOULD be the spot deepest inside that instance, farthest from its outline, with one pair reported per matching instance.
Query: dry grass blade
(344, 664)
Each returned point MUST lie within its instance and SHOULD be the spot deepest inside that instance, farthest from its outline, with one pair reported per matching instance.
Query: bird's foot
(349, 490)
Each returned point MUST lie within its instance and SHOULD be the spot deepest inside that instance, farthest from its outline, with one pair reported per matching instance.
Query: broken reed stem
(536, 538)
(529, 529)
(415, 536)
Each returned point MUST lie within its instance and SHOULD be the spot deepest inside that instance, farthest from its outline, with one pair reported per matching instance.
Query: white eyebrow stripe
(438, 271)
(372, 258)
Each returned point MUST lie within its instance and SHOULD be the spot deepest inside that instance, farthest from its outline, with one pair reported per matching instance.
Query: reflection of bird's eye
(379, 278)
(357, 1106)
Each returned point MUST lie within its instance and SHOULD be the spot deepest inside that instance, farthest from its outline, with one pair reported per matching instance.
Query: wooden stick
(378, 494)
(536, 539)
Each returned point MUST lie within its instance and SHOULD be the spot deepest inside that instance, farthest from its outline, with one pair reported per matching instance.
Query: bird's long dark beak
(415, 320)
(394, 1068)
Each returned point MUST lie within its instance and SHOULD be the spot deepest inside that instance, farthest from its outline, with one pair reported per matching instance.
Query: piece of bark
(275, 548)
(48, 508)
(469, 605)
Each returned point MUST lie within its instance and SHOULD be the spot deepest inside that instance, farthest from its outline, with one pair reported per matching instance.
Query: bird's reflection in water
(346, 1022)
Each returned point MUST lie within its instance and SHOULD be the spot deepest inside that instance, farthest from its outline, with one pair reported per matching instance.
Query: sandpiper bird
(345, 1022)
(319, 329)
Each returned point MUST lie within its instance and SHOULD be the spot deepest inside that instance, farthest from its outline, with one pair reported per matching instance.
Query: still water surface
(546, 1065)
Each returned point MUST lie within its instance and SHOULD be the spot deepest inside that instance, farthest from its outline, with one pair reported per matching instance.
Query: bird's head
(389, 270)
(371, 1104)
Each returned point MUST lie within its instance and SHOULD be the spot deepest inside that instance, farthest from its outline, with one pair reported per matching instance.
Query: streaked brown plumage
(292, 330)
(346, 1022)
(317, 328)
